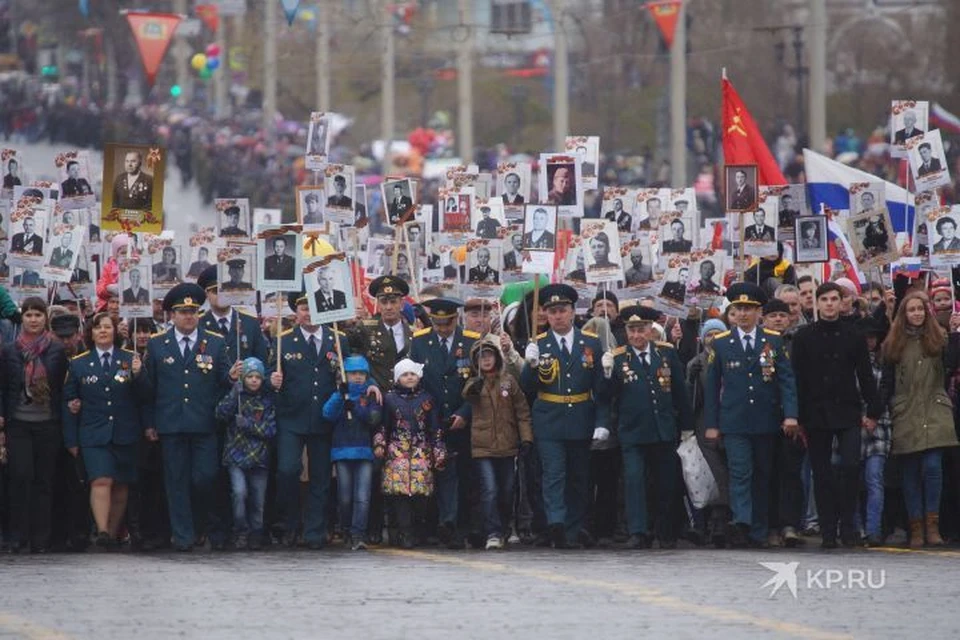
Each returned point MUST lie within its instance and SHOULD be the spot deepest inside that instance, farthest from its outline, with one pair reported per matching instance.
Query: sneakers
(790, 538)
(494, 542)
(359, 545)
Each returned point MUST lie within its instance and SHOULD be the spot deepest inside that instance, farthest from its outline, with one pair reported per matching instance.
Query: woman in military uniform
(102, 422)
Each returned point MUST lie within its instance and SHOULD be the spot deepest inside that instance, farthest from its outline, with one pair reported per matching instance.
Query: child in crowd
(410, 443)
(252, 425)
(354, 418)
(500, 427)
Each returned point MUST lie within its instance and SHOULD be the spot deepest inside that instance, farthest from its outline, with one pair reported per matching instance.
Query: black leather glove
(348, 405)
(343, 388)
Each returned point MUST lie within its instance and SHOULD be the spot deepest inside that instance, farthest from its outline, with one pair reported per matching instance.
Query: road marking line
(27, 629)
(926, 552)
(643, 594)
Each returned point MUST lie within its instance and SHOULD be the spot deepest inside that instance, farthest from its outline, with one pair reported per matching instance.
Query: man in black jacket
(834, 381)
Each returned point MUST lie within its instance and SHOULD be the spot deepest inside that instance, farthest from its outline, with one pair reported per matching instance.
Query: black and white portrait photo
(378, 258)
(63, 250)
(135, 176)
(539, 228)
(908, 119)
(338, 184)
(944, 237)
(318, 141)
(513, 250)
(793, 204)
(872, 237)
(329, 289)
(741, 186)
(675, 284)
(236, 276)
(167, 268)
(811, 239)
(513, 187)
(310, 205)
(649, 207)
(706, 275)
(675, 234)
(76, 191)
(280, 255)
(587, 148)
(927, 161)
(617, 207)
(359, 205)
(234, 218)
(866, 197)
(397, 200)
(601, 244)
(135, 295)
(26, 233)
(12, 170)
(266, 218)
(483, 264)
(200, 259)
(638, 263)
(487, 218)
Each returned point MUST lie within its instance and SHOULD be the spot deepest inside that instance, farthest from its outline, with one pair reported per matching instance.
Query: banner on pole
(290, 8)
(153, 32)
(665, 14)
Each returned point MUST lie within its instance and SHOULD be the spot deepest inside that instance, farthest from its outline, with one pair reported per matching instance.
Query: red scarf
(34, 373)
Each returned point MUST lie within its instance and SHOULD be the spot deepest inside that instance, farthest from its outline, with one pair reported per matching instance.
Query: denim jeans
(873, 480)
(354, 479)
(249, 490)
(496, 476)
(447, 483)
(922, 482)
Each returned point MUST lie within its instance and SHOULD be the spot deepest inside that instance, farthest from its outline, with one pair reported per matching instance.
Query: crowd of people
(819, 409)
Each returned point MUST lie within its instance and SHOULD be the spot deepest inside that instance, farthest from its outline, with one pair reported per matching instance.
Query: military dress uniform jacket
(571, 394)
(252, 342)
(182, 395)
(749, 395)
(309, 379)
(111, 408)
(652, 400)
(372, 339)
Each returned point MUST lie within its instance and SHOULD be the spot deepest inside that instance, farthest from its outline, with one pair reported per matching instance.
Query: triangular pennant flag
(85, 8)
(290, 7)
(665, 14)
(153, 32)
(742, 141)
(210, 14)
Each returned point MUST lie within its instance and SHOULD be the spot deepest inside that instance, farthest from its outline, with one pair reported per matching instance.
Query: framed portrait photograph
(706, 273)
(926, 203)
(637, 261)
(281, 258)
(11, 167)
(398, 200)
(513, 187)
(329, 288)
(133, 177)
(63, 251)
(587, 148)
(483, 263)
(310, 205)
(811, 239)
(266, 218)
(928, 164)
(574, 264)
(4, 262)
(760, 229)
(487, 218)
(601, 251)
(236, 275)
(360, 219)
(741, 187)
(76, 190)
(684, 202)
(873, 239)
(674, 289)
(318, 140)
(201, 257)
(377, 261)
(908, 119)
(617, 207)
(512, 249)
(866, 197)
(136, 298)
(233, 218)
(81, 284)
(338, 183)
(539, 238)
(27, 282)
(676, 234)
(416, 237)
(561, 184)
(792, 205)
(942, 226)
(648, 209)
(457, 212)
(166, 260)
(27, 229)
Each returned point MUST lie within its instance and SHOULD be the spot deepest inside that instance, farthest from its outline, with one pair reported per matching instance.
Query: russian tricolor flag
(828, 184)
(942, 119)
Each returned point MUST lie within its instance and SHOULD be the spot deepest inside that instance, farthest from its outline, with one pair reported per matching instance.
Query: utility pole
(561, 81)
(465, 87)
(270, 66)
(818, 74)
(678, 102)
(387, 82)
(181, 58)
(222, 74)
(324, 8)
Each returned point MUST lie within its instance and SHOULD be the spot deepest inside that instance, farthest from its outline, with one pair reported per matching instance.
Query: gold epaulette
(473, 335)
(80, 355)
(589, 333)
(771, 332)
(722, 334)
(287, 332)
(542, 335)
(665, 345)
(422, 332)
(159, 333)
(619, 351)
(213, 333)
(246, 313)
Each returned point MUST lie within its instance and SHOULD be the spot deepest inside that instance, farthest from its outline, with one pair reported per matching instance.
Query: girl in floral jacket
(410, 443)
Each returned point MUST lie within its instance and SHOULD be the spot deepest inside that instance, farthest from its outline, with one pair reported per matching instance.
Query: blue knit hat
(713, 324)
(253, 365)
(356, 363)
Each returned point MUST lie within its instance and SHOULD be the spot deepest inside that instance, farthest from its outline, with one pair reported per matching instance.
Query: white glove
(532, 354)
(600, 434)
(607, 362)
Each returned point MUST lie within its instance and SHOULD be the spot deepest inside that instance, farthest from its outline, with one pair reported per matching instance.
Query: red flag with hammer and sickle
(742, 140)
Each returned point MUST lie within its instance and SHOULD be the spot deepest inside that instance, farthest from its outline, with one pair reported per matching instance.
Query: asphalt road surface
(516, 593)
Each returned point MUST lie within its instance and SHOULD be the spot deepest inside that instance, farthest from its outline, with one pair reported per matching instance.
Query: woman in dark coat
(32, 370)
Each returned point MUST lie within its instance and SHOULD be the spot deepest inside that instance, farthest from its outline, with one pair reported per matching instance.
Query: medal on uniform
(123, 372)
(168, 360)
(663, 377)
(587, 358)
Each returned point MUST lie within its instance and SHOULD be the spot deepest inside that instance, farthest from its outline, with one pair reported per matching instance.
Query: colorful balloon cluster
(206, 63)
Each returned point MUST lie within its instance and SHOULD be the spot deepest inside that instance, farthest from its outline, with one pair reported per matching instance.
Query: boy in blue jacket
(354, 419)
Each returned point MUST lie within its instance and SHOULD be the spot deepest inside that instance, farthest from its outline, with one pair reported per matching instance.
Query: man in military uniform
(133, 189)
(242, 339)
(186, 372)
(488, 227)
(570, 409)
(235, 268)
(444, 351)
(279, 266)
(483, 273)
(653, 409)
(232, 214)
(749, 393)
(74, 185)
(384, 341)
(308, 374)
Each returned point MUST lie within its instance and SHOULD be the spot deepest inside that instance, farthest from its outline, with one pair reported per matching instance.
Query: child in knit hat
(250, 413)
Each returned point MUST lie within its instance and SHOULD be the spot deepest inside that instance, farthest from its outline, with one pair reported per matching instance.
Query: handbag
(701, 485)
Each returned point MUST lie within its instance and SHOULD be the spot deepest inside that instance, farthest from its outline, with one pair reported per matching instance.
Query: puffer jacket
(500, 415)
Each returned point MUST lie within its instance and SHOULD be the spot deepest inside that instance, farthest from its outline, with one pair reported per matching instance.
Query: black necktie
(313, 344)
(186, 347)
(749, 348)
(563, 348)
(224, 326)
(106, 361)
(643, 360)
